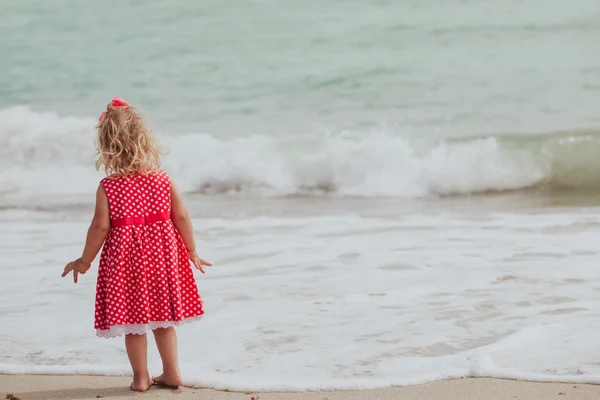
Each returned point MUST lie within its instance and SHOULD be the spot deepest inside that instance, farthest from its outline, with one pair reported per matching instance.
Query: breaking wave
(45, 154)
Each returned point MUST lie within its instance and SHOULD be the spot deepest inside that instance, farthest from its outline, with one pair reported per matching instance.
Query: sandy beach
(39, 387)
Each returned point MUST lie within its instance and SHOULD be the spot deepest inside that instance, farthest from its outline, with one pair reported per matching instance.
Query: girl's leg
(137, 351)
(166, 341)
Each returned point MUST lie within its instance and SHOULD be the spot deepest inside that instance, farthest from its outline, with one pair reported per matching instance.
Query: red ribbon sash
(150, 219)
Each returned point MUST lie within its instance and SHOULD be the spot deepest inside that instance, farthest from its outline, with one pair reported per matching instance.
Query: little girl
(144, 279)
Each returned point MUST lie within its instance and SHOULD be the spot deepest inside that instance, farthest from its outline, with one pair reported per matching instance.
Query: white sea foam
(36, 148)
(344, 301)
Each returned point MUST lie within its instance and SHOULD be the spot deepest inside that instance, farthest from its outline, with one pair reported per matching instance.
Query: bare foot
(168, 380)
(141, 384)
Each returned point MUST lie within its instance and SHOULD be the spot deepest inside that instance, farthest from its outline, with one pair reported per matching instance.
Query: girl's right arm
(95, 237)
(182, 221)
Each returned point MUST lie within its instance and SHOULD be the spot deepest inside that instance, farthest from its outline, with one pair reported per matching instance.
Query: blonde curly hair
(126, 146)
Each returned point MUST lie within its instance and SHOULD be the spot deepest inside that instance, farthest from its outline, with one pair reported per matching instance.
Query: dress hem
(140, 329)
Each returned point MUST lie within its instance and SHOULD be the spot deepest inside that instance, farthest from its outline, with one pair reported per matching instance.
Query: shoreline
(49, 387)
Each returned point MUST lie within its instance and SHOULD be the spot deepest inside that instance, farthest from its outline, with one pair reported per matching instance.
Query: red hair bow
(116, 102)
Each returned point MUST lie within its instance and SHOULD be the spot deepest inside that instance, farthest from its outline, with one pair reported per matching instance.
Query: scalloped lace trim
(140, 329)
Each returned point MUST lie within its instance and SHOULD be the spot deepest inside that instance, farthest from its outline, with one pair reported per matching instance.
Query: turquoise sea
(392, 192)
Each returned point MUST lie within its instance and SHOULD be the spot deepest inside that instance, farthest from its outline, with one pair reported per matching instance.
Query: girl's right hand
(198, 262)
(78, 267)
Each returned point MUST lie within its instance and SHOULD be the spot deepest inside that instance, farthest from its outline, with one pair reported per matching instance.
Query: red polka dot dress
(145, 280)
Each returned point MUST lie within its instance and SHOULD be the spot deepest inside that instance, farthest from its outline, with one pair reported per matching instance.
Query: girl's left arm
(95, 237)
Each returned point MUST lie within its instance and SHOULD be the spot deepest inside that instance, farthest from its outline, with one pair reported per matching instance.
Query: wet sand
(39, 387)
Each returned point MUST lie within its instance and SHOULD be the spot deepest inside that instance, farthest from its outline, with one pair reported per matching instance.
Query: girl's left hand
(197, 261)
(78, 267)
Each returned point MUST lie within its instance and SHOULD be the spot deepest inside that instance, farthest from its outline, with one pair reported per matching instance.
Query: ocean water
(391, 192)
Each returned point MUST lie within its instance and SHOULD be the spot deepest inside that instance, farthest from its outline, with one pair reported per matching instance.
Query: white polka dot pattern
(144, 278)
